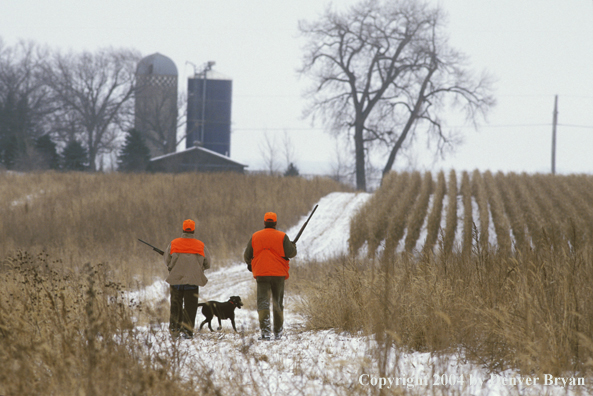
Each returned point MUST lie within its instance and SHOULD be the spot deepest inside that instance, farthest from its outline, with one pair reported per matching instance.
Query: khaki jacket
(187, 268)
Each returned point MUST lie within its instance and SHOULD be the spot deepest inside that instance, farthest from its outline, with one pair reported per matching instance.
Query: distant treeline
(63, 110)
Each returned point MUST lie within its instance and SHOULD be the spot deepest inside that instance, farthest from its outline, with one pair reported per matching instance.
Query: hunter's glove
(249, 267)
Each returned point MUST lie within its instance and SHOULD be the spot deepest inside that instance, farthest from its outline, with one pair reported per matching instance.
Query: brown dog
(222, 310)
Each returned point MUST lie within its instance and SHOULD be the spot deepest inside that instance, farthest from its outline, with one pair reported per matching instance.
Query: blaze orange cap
(270, 216)
(189, 225)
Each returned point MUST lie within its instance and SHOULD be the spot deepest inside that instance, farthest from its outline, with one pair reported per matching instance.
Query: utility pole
(554, 124)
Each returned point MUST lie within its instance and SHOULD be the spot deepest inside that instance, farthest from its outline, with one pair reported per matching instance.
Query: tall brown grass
(555, 228)
(399, 217)
(480, 194)
(571, 218)
(70, 333)
(530, 313)
(82, 217)
(578, 200)
(499, 218)
(433, 223)
(527, 205)
(451, 219)
(418, 213)
(468, 221)
(513, 210)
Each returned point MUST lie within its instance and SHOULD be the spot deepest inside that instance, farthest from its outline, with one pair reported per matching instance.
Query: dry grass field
(68, 251)
(80, 217)
(502, 271)
(495, 268)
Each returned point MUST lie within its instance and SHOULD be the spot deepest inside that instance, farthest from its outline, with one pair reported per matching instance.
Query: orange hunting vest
(268, 253)
(187, 245)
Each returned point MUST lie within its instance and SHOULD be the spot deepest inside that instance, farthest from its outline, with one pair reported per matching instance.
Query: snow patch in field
(328, 231)
(27, 199)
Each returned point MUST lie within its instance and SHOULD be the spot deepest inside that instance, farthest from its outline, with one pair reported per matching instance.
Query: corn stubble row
(413, 213)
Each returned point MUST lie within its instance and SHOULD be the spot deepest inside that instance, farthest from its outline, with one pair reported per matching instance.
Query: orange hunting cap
(189, 225)
(270, 216)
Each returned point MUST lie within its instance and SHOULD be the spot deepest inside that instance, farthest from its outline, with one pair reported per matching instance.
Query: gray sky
(535, 49)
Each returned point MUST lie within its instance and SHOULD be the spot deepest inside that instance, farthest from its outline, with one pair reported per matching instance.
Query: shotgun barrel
(304, 225)
(156, 249)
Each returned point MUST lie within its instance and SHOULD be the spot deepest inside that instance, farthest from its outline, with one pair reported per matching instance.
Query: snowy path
(312, 362)
(326, 234)
(328, 231)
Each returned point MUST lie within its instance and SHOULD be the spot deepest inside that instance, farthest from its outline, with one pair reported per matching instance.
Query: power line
(264, 129)
(576, 126)
(445, 126)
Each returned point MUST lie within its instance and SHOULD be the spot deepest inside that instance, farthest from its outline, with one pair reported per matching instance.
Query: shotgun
(304, 225)
(156, 249)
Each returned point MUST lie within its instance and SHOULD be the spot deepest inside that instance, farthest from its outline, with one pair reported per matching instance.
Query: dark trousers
(274, 286)
(184, 304)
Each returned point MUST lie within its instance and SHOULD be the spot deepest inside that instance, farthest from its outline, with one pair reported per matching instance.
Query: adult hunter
(267, 256)
(186, 258)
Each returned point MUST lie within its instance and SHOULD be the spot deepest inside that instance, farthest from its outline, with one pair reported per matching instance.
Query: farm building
(156, 103)
(195, 159)
(209, 111)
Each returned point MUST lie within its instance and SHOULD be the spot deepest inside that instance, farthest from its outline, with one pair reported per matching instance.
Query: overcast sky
(535, 49)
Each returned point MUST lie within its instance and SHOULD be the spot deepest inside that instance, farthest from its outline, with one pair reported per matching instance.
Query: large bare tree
(382, 71)
(93, 92)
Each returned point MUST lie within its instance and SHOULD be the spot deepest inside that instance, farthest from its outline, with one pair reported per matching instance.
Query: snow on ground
(328, 231)
(318, 362)
(27, 199)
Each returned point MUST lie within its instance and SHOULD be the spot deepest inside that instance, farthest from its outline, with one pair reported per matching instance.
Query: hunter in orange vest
(186, 258)
(267, 256)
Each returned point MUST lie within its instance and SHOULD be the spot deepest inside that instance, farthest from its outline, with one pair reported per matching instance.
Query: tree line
(65, 110)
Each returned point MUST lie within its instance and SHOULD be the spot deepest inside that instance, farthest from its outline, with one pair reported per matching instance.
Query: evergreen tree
(25, 105)
(134, 155)
(13, 131)
(46, 149)
(292, 170)
(75, 157)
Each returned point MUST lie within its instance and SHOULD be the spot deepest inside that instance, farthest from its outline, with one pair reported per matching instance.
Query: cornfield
(510, 213)
(499, 266)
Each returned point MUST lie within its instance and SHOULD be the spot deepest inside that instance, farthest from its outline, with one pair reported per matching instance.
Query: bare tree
(273, 152)
(342, 165)
(288, 150)
(384, 70)
(269, 152)
(93, 92)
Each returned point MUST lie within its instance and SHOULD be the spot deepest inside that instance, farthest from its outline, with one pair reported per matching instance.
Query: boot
(264, 324)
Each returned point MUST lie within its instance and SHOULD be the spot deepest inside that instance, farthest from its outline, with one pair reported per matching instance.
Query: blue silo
(209, 112)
